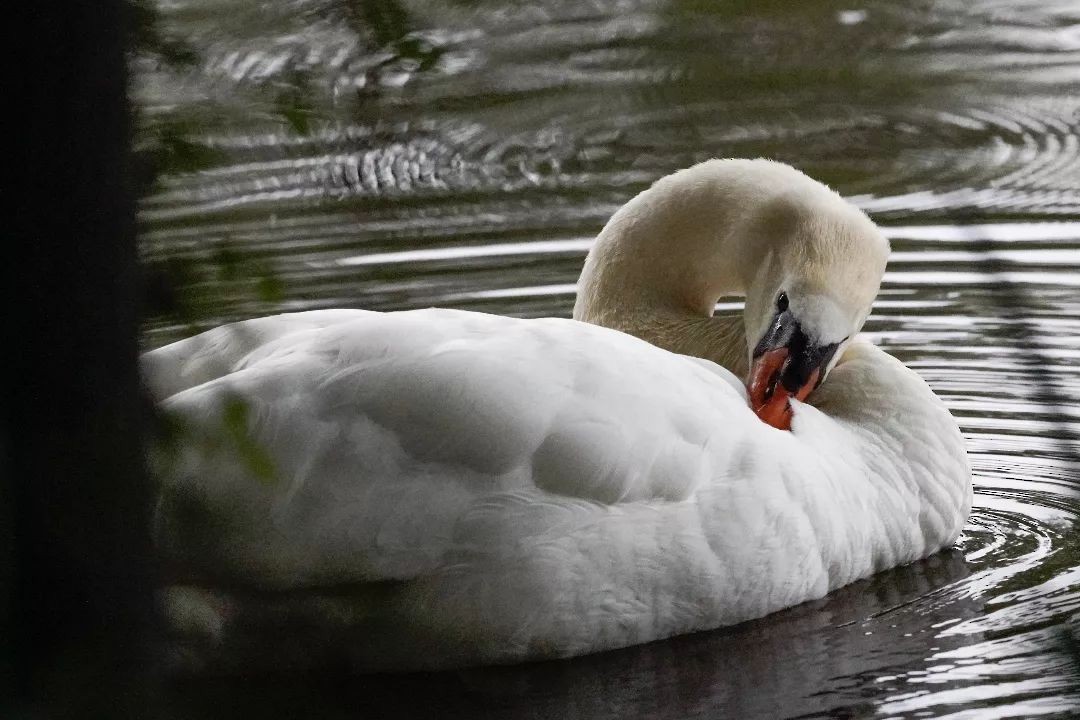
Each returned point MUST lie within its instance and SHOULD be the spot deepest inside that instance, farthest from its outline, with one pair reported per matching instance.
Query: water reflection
(813, 658)
(387, 155)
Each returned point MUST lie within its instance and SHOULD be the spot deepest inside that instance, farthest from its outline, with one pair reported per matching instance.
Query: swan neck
(659, 266)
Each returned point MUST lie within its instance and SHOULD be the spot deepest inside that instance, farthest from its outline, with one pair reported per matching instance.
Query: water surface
(386, 155)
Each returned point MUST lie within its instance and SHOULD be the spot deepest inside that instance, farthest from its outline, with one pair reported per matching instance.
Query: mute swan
(493, 490)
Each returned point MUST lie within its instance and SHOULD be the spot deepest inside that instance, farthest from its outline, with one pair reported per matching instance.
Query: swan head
(817, 273)
(808, 262)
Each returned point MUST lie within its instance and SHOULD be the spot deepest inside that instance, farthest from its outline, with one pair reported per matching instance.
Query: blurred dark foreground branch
(75, 560)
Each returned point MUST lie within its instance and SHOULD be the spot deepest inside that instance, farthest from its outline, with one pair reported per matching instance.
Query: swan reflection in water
(812, 657)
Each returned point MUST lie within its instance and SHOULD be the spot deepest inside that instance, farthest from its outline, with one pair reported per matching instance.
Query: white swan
(494, 490)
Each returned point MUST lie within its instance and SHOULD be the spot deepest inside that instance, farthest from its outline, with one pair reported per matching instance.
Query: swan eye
(781, 301)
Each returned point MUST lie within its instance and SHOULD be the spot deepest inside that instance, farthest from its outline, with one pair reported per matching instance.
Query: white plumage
(495, 489)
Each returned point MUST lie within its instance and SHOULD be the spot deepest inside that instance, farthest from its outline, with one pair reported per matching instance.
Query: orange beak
(786, 364)
(769, 397)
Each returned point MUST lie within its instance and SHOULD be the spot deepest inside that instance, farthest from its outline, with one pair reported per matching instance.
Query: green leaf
(270, 288)
(299, 119)
(235, 418)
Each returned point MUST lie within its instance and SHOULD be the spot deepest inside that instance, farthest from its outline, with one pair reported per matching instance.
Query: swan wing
(214, 353)
(358, 446)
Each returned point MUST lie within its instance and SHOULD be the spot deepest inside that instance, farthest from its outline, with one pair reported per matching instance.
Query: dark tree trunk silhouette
(74, 493)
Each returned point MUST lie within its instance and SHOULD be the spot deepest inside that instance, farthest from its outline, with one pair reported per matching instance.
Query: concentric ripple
(388, 155)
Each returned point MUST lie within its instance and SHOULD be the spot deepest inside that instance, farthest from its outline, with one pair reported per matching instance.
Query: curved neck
(661, 263)
(669, 249)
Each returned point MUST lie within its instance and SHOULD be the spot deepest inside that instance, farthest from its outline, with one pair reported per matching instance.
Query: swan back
(540, 488)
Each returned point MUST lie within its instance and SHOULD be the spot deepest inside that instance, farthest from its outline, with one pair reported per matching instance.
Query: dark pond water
(387, 155)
